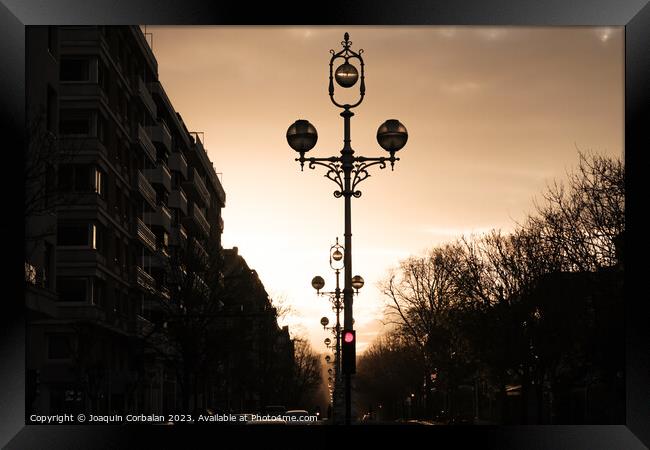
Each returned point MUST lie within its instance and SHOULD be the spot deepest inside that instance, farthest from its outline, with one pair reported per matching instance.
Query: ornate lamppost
(336, 263)
(347, 170)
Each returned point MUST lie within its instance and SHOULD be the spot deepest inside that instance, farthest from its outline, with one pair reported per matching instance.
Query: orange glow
(493, 114)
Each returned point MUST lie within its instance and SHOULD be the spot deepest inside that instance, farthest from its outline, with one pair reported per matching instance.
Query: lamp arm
(334, 168)
(360, 169)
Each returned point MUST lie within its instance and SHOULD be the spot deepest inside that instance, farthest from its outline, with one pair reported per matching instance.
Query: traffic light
(349, 351)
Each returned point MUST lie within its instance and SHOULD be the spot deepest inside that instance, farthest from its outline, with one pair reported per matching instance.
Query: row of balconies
(146, 236)
(209, 169)
(146, 190)
(196, 187)
(161, 217)
(160, 175)
(160, 133)
(196, 221)
(160, 214)
(147, 99)
(145, 143)
(178, 163)
(178, 200)
(144, 281)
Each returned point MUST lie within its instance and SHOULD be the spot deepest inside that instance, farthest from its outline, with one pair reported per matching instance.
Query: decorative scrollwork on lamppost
(347, 170)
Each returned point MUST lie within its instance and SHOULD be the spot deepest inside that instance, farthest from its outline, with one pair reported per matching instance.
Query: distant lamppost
(347, 170)
(318, 283)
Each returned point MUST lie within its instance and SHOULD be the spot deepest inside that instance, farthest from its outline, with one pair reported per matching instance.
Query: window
(93, 236)
(30, 273)
(76, 122)
(71, 289)
(100, 182)
(59, 346)
(72, 234)
(66, 174)
(98, 292)
(81, 178)
(75, 69)
(81, 234)
(99, 242)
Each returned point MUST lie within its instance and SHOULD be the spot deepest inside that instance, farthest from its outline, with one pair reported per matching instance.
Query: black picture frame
(634, 15)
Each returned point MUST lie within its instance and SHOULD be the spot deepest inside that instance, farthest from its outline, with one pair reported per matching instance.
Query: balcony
(145, 235)
(200, 156)
(164, 292)
(178, 236)
(146, 144)
(160, 175)
(196, 187)
(196, 221)
(160, 218)
(221, 194)
(160, 133)
(198, 250)
(81, 90)
(178, 200)
(146, 98)
(178, 163)
(144, 280)
(146, 190)
(143, 326)
(79, 255)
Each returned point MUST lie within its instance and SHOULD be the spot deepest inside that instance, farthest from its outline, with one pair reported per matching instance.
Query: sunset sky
(493, 114)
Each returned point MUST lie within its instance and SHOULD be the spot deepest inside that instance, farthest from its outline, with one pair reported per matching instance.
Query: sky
(493, 115)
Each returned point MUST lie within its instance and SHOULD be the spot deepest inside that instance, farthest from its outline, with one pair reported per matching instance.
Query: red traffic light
(349, 351)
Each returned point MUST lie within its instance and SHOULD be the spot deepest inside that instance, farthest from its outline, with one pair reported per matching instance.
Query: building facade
(120, 185)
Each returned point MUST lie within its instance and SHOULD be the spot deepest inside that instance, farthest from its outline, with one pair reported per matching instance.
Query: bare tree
(307, 372)
(45, 152)
(586, 217)
(184, 320)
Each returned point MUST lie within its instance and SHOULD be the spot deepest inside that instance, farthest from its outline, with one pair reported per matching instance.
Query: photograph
(325, 225)
(349, 224)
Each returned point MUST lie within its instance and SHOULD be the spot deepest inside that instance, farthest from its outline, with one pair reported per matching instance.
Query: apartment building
(127, 185)
(259, 362)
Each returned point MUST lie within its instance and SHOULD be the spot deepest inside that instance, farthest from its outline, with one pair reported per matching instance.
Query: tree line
(518, 327)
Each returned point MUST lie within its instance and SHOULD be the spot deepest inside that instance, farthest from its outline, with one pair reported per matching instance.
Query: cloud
(460, 87)
(447, 32)
(492, 34)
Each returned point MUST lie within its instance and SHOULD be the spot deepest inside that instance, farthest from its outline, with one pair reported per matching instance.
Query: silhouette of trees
(388, 372)
(306, 374)
(183, 313)
(533, 313)
(586, 217)
(44, 154)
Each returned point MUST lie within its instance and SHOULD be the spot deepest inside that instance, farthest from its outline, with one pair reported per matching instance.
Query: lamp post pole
(357, 282)
(347, 170)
